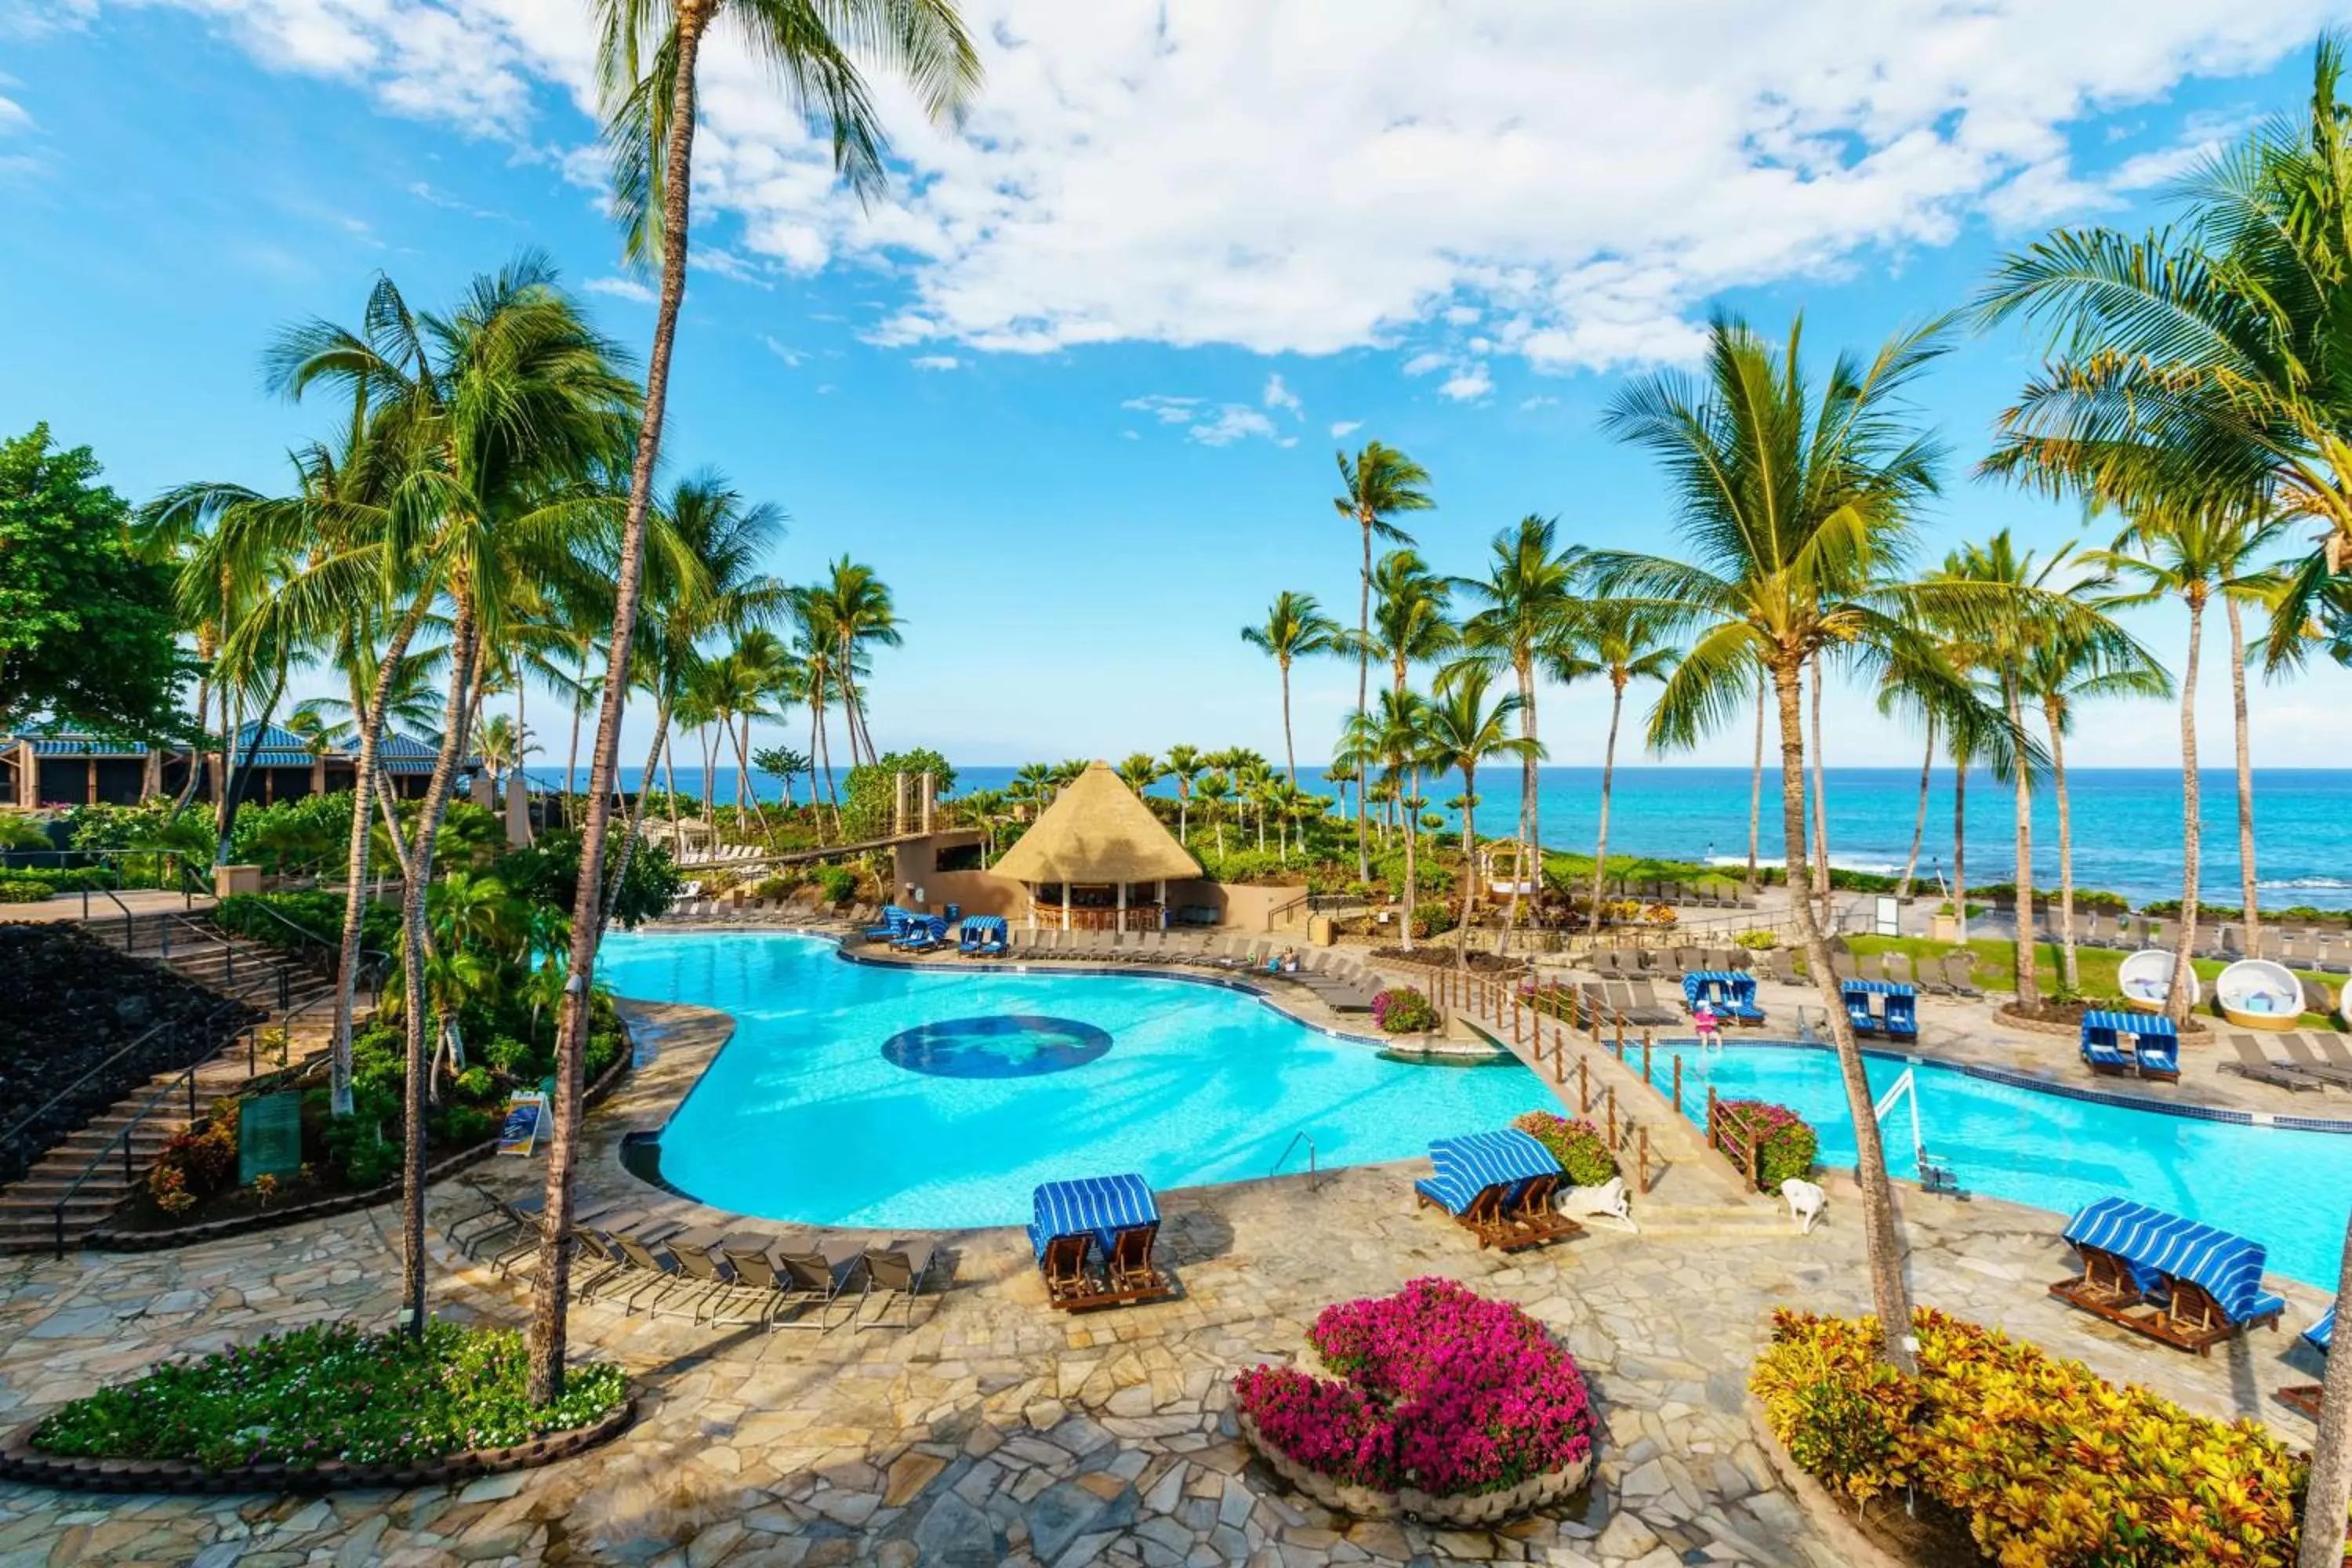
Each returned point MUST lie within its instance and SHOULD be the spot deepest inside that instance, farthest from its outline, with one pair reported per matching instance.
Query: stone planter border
(2195, 1033)
(1847, 1539)
(106, 1239)
(19, 1461)
(1475, 1511)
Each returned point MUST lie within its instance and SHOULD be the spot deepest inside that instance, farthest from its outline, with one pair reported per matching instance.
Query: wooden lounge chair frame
(2305, 1399)
(2187, 1318)
(1130, 1276)
(1531, 1211)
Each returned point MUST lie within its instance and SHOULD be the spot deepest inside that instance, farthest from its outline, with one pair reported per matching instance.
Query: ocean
(2127, 822)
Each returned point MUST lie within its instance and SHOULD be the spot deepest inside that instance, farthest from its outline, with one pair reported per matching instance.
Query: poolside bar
(1098, 859)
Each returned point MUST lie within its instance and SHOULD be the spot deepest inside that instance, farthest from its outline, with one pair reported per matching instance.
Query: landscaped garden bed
(2006, 1453)
(321, 1407)
(1445, 1407)
(2050, 1017)
(67, 1003)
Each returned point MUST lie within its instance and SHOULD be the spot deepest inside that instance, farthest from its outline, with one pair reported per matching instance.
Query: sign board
(1888, 916)
(526, 1116)
(269, 1136)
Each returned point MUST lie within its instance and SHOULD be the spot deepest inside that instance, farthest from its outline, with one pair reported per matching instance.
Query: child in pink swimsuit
(1710, 1027)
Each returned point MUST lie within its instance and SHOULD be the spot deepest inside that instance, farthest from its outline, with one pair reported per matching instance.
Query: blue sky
(1075, 389)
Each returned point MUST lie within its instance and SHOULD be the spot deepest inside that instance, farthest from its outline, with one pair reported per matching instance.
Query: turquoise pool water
(2287, 1188)
(859, 1095)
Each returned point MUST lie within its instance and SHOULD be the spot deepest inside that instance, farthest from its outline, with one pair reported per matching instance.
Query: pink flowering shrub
(1401, 1010)
(1443, 1390)
(1786, 1144)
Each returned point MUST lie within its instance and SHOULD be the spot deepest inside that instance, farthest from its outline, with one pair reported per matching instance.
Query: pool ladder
(1313, 1179)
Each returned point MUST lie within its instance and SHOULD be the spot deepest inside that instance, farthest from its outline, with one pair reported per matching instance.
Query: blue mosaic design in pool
(1014, 1045)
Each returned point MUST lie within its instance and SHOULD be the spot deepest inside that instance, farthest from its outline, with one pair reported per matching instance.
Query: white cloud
(784, 352)
(1540, 401)
(1097, 195)
(1467, 384)
(1210, 423)
(621, 289)
(935, 361)
(1345, 427)
(1422, 363)
(13, 117)
(1277, 395)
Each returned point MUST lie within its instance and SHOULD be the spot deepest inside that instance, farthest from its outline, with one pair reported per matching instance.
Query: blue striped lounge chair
(2175, 1281)
(2102, 1052)
(1858, 1013)
(1902, 1013)
(1116, 1215)
(2157, 1052)
(1498, 1187)
(968, 938)
(893, 926)
(923, 934)
(993, 934)
(2317, 1336)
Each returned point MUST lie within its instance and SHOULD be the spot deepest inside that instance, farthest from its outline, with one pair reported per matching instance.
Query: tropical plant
(855, 605)
(1214, 790)
(1461, 730)
(1623, 641)
(1795, 507)
(1527, 603)
(1376, 485)
(1139, 771)
(1396, 737)
(1184, 764)
(1295, 626)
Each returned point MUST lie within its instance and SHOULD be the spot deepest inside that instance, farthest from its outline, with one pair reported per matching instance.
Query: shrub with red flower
(1443, 1390)
(1401, 1010)
(1785, 1144)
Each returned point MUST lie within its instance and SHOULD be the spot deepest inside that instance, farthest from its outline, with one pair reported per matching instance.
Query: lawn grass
(1995, 963)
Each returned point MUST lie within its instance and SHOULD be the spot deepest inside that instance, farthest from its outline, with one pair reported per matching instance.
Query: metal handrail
(1313, 1180)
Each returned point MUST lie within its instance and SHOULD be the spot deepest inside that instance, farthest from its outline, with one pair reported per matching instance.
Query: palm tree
(1919, 680)
(646, 57)
(1789, 504)
(1460, 729)
(1377, 484)
(1214, 790)
(1140, 770)
(1410, 615)
(1295, 625)
(1184, 765)
(855, 607)
(1527, 600)
(2193, 553)
(2329, 1494)
(1625, 641)
(2182, 377)
(2062, 672)
(1399, 741)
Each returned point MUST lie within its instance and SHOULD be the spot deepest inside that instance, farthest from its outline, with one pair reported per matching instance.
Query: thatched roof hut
(1098, 834)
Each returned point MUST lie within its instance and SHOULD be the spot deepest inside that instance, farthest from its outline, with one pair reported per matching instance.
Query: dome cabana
(1096, 859)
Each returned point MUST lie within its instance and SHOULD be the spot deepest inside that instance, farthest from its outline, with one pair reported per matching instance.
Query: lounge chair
(1645, 1008)
(2318, 1337)
(726, 1295)
(1857, 993)
(818, 1271)
(898, 1271)
(2253, 1063)
(1903, 1014)
(2332, 1050)
(893, 924)
(659, 1281)
(2299, 1055)
(1960, 974)
(2100, 1051)
(1842, 965)
(1478, 1180)
(2157, 1054)
(1116, 1213)
(2177, 1281)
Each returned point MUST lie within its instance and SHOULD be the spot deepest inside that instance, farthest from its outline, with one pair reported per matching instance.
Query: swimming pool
(864, 1095)
(2286, 1187)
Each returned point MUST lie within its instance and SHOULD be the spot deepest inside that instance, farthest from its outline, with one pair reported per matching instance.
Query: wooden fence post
(1646, 1058)
(1583, 1088)
(1612, 1118)
(1643, 1164)
(1678, 1083)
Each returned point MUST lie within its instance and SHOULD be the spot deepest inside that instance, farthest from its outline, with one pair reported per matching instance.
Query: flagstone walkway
(997, 1431)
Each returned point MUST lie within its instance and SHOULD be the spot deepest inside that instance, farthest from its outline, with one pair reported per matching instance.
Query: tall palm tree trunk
(1363, 708)
(1470, 878)
(1887, 1290)
(2329, 1494)
(551, 1288)
(637, 807)
(572, 758)
(743, 772)
(2176, 999)
(1755, 789)
(1289, 751)
(415, 1004)
(371, 721)
(1411, 884)
(2250, 898)
(1960, 846)
(709, 767)
(1820, 794)
(1608, 780)
(2027, 968)
(1529, 862)
(1919, 821)
(2070, 972)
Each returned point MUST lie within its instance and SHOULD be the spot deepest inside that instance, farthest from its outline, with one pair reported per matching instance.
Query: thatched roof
(1097, 830)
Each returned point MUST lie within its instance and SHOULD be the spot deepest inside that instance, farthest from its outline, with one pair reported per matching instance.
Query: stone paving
(995, 1430)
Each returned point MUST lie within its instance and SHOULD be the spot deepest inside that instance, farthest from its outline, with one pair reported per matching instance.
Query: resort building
(56, 768)
(1098, 859)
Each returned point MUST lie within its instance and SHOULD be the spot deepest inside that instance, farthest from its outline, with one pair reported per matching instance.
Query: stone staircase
(295, 996)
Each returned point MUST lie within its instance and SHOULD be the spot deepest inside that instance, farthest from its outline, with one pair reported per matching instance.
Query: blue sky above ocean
(1073, 388)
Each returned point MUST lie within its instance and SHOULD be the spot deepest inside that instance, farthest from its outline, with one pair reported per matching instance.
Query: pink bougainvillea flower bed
(1441, 1392)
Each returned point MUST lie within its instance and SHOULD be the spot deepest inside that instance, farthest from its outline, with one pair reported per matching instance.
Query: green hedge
(16, 890)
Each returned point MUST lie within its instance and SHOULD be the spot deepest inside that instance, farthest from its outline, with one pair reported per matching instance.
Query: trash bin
(1318, 930)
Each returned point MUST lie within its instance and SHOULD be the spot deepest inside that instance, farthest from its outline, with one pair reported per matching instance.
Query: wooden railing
(1734, 1132)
